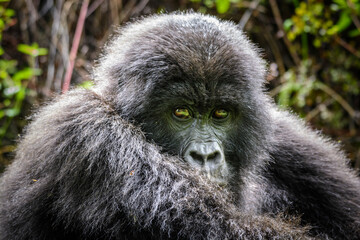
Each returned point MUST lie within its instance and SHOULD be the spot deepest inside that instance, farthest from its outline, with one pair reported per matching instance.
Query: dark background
(312, 49)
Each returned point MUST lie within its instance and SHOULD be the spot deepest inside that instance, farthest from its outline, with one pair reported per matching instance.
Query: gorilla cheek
(209, 158)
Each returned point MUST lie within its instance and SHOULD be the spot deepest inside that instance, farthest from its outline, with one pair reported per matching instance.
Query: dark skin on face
(194, 125)
(204, 150)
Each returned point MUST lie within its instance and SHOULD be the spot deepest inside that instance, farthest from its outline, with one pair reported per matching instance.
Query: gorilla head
(198, 90)
(176, 95)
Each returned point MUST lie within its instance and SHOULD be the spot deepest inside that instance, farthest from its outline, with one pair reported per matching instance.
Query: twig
(52, 52)
(138, 8)
(353, 114)
(353, 16)
(347, 46)
(126, 11)
(93, 7)
(318, 109)
(357, 160)
(279, 23)
(245, 18)
(275, 91)
(275, 50)
(75, 45)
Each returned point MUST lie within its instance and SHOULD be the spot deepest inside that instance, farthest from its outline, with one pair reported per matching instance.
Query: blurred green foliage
(222, 6)
(328, 41)
(322, 21)
(14, 81)
(297, 86)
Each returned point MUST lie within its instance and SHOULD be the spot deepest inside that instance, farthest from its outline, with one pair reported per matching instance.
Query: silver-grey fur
(88, 167)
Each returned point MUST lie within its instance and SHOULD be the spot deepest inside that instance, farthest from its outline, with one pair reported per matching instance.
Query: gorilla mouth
(216, 175)
(218, 180)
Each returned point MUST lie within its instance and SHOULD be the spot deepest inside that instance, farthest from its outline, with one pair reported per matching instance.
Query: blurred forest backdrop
(312, 48)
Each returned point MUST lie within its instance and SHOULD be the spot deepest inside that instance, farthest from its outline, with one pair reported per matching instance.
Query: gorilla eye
(182, 113)
(220, 114)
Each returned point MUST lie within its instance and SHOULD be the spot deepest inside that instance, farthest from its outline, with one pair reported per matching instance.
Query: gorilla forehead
(212, 56)
(199, 94)
(188, 51)
(193, 46)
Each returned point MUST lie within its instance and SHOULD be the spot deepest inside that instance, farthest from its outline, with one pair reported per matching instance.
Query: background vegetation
(312, 48)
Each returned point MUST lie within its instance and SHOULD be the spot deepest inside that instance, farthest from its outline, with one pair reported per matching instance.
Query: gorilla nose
(204, 153)
(204, 157)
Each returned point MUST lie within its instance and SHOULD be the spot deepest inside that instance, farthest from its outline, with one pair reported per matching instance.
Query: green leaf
(334, 7)
(209, 3)
(8, 92)
(354, 33)
(2, 24)
(341, 3)
(222, 6)
(343, 23)
(9, 12)
(27, 49)
(13, 112)
(8, 65)
(42, 51)
(86, 84)
(7, 102)
(20, 96)
(32, 50)
(317, 42)
(26, 73)
(202, 10)
(3, 74)
(288, 23)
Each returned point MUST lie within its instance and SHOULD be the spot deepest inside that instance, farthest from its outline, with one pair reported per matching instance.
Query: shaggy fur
(102, 163)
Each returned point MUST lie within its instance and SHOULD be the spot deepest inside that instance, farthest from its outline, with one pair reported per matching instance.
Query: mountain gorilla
(176, 140)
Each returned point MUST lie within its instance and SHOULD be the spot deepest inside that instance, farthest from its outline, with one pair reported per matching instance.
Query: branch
(347, 46)
(75, 45)
(279, 23)
(353, 114)
(245, 18)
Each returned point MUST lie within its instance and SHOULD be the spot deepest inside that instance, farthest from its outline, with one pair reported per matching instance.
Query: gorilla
(177, 139)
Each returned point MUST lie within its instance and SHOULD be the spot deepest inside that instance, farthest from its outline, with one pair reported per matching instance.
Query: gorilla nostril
(214, 157)
(196, 157)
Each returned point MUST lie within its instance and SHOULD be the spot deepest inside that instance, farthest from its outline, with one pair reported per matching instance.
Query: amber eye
(220, 114)
(182, 113)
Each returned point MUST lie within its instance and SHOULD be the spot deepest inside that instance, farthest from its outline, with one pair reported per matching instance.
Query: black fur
(102, 164)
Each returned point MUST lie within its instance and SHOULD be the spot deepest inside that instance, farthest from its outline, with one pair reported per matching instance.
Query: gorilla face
(196, 128)
(195, 94)
(205, 132)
